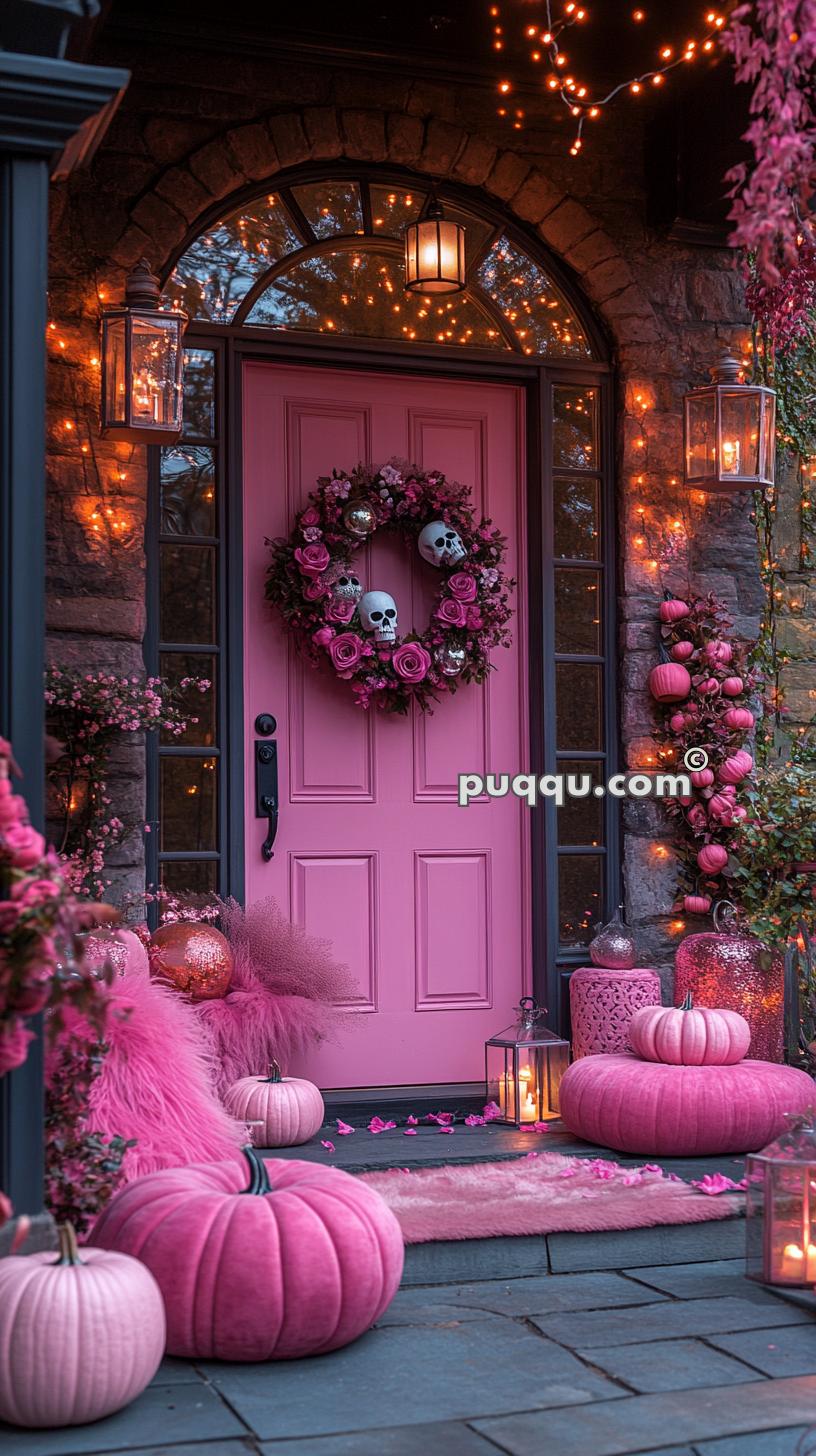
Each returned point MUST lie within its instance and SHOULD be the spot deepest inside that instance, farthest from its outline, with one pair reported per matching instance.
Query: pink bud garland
(471, 611)
(714, 717)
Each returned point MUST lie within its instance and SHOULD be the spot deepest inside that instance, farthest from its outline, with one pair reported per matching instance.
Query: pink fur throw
(156, 1082)
(285, 993)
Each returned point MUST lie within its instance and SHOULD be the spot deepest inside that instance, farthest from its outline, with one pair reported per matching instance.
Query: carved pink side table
(602, 1004)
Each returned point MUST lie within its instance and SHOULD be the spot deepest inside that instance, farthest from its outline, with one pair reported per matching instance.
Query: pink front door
(426, 901)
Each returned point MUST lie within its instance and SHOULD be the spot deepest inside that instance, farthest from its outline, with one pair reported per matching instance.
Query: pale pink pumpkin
(81, 1334)
(669, 682)
(659, 1110)
(689, 1036)
(290, 1108)
(741, 718)
(682, 651)
(732, 686)
(301, 1261)
(736, 767)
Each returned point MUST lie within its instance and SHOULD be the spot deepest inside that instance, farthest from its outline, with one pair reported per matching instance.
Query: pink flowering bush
(470, 615)
(714, 717)
(773, 43)
(87, 712)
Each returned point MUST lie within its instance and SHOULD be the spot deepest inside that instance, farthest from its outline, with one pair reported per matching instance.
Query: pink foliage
(156, 1082)
(773, 43)
(284, 996)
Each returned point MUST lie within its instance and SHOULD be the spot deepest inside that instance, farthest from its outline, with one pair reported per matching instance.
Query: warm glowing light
(638, 15)
(504, 87)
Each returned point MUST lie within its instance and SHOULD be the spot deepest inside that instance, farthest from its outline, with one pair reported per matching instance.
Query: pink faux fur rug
(539, 1194)
(156, 1083)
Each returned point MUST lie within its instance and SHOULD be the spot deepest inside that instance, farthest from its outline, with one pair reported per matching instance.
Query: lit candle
(730, 457)
(796, 1265)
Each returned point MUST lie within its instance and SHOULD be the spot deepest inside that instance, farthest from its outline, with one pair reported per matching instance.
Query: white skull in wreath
(440, 544)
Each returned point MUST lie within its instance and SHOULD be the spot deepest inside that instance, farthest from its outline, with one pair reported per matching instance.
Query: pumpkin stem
(258, 1176)
(274, 1073)
(68, 1251)
(686, 1004)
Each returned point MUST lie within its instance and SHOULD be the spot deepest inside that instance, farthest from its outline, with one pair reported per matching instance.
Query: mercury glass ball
(450, 659)
(359, 518)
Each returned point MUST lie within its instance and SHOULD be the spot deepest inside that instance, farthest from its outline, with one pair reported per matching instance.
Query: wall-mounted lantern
(434, 253)
(729, 432)
(142, 365)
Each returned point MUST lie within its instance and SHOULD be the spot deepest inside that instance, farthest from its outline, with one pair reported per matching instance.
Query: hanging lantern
(142, 361)
(434, 253)
(729, 432)
(781, 1207)
(523, 1067)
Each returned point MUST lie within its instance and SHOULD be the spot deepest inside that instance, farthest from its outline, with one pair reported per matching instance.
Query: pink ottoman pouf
(602, 1004)
(651, 1108)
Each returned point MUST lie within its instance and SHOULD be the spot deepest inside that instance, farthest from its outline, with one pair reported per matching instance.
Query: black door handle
(266, 792)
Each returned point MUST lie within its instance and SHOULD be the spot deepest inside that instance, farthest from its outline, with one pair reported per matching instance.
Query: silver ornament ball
(359, 518)
(450, 659)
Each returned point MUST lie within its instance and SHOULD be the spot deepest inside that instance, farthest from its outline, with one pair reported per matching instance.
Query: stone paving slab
(764, 1443)
(672, 1365)
(456, 1261)
(438, 1438)
(631, 1248)
(516, 1297)
(200, 1448)
(636, 1423)
(673, 1320)
(168, 1413)
(409, 1376)
(176, 1372)
(703, 1280)
(774, 1351)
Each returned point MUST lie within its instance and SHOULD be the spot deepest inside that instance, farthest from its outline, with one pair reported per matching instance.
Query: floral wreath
(312, 583)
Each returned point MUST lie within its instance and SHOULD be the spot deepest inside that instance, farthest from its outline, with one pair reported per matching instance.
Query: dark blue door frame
(43, 105)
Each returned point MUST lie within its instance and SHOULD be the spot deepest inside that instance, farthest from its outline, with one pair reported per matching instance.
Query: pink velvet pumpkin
(712, 858)
(81, 1335)
(659, 1110)
(689, 1036)
(669, 682)
(301, 1261)
(290, 1108)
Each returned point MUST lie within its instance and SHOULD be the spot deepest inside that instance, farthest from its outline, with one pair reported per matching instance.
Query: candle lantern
(729, 432)
(434, 253)
(142, 362)
(524, 1065)
(781, 1207)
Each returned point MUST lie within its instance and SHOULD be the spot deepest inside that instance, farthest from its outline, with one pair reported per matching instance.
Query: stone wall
(192, 130)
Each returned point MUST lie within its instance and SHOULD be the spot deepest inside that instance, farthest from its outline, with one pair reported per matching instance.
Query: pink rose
(310, 517)
(314, 590)
(323, 636)
(339, 610)
(24, 844)
(411, 662)
(462, 586)
(451, 612)
(14, 1041)
(345, 652)
(312, 559)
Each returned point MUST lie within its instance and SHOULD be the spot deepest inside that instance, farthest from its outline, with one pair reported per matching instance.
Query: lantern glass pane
(701, 435)
(739, 433)
(114, 361)
(768, 438)
(155, 397)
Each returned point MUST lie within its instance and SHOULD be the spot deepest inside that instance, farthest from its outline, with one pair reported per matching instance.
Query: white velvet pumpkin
(290, 1108)
(81, 1334)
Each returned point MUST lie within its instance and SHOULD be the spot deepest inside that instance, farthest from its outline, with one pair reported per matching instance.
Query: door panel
(426, 901)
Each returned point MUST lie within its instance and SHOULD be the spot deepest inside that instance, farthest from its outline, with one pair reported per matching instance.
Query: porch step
(467, 1260)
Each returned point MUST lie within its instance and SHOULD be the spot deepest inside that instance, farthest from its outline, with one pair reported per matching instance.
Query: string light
(568, 87)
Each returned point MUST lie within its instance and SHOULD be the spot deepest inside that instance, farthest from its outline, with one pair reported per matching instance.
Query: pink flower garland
(471, 611)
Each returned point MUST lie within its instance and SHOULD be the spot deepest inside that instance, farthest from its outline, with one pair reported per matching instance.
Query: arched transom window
(327, 257)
